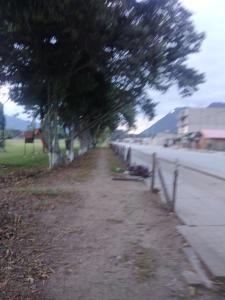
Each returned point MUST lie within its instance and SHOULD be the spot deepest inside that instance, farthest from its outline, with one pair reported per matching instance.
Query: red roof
(213, 133)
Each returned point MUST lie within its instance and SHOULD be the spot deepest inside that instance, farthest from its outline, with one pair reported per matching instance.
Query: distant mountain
(169, 122)
(166, 124)
(217, 105)
(16, 123)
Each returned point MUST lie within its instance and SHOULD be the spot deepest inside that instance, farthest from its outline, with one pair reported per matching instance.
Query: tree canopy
(2, 126)
(90, 62)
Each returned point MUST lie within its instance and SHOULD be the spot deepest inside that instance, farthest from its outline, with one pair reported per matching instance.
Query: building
(212, 139)
(208, 139)
(164, 139)
(193, 120)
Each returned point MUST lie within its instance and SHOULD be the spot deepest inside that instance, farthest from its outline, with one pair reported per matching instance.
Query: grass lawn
(14, 157)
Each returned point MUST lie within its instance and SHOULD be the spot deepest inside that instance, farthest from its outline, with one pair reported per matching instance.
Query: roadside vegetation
(115, 164)
(23, 245)
(14, 155)
(86, 66)
(82, 67)
(15, 159)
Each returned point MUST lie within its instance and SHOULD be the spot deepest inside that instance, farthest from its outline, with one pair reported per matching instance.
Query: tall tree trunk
(50, 133)
(85, 141)
(54, 154)
(95, 136)
(70, 145)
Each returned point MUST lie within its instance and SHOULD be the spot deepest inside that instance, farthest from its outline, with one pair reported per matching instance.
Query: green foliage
(2, 126)
(91, 61)
(12, 133)
(104, 137)
(2, 117)
(115, 164)
(119, 134)
(42, 191)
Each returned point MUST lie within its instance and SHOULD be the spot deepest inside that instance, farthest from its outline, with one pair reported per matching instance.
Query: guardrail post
(176, 172)
(153, 172)
(164, 187)
(128, 157)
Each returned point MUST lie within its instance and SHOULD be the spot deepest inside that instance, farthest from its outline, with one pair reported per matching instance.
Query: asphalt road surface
(200, 202)
(211, 162)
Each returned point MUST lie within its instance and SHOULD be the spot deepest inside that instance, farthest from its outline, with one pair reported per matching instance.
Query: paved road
(212, 162)
(200, 200)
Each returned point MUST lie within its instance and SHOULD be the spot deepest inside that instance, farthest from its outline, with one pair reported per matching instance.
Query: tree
(148, 45)
(2, 127)
(44, 48)
(119, 134)
(82, 64)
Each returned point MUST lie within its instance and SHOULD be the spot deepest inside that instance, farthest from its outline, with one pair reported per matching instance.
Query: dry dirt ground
(97, 239)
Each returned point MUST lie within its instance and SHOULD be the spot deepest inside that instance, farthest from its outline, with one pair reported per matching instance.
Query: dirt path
(113, 242)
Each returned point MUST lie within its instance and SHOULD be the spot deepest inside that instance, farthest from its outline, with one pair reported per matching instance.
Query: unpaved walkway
(113, 242)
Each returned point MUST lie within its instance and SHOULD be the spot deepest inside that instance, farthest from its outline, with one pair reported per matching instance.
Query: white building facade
(196, 119)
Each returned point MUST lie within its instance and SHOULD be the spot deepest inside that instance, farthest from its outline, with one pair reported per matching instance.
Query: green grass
(41, 191)
(115, 164)
(44, 197)
(14, 156)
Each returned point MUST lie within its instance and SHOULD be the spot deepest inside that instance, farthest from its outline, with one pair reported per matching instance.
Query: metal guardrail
(123, 152)
(157, 170)
(155, 167)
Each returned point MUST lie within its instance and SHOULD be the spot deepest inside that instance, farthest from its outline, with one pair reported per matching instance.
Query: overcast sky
(209, 16)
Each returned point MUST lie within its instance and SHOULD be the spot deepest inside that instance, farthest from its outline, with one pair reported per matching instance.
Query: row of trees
(86, 65)
(2, 127)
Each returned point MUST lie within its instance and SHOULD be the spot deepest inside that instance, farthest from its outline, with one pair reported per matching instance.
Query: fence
(123, 152)
(168, 185)
(162, 178)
